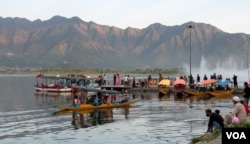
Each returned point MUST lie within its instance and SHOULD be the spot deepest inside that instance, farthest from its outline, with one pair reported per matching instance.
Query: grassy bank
(215, 134)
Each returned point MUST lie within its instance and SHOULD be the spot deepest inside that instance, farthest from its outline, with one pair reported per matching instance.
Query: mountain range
(84, 45)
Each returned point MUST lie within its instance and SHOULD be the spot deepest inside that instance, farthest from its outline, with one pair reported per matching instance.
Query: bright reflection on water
(29, 117)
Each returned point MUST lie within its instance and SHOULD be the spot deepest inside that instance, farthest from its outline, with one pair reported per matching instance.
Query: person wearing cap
(238, 111)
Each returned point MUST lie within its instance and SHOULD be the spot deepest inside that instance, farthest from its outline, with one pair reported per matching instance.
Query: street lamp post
(190, 27)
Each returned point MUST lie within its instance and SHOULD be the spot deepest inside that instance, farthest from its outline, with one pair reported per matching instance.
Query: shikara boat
(220, 93)
(201, 88)
(179, 86)
(193, 92)
(90, 106)
(111, 102)
(164, 86)
(222, 89)
(53, 83)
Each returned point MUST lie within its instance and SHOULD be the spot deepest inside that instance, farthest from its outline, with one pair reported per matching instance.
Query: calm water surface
(29, 117)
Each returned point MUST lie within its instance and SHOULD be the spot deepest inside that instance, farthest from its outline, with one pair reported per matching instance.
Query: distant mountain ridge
(50, 43)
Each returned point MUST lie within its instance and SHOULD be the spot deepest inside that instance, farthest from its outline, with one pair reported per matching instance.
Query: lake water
(29, 117)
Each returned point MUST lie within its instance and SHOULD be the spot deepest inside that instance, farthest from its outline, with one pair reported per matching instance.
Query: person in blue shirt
(96, 101)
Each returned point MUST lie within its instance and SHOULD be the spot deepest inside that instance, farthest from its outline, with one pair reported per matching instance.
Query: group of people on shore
(239, 114)
(237, 117)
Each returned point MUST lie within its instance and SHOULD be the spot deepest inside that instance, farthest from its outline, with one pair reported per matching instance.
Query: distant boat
(88, 83)
(53, 83)
(221, 93)
(179, 86)
(201, 88)
(164, 87)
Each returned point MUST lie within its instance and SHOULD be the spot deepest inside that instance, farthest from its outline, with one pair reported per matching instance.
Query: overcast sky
(231, 16)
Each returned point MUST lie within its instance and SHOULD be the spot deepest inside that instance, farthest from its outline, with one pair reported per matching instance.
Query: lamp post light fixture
(190, 27)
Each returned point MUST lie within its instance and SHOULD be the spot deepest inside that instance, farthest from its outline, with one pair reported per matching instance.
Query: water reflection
(29, 117)
(49, 99)
(92, 118)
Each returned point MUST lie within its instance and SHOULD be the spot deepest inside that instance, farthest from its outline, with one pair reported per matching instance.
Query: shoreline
(217, 140)
(152, 88)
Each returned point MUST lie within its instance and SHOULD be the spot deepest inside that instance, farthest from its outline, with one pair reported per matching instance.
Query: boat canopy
(164, 82)
(209, 81)
(77, 88)
(223, 83)
(180, 81)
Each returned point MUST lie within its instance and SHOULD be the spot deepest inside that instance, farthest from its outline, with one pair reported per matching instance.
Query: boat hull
(102, 106)
(163, 89)
(179, 88)
(53, 89)
(221, 93)
(195, 93)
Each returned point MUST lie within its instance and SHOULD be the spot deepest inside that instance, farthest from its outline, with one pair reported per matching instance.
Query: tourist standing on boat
(104, 79)
(191, 79)
(239, 111)
(160, 77)
(246, 93)
(198, 78)
(235, 81)
(215, 120)
(205, 77)
(129, 81)
(149, 79)
(126, 80)
(114, 78)
(133, 82)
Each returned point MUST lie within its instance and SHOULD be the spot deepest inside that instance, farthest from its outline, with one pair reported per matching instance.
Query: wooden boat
(164, 87)
(201, 88)
(86, 105)
(90, 106)
(53, 83)
(179, 86)
(221, 93)
(222, 89)
(193, 92)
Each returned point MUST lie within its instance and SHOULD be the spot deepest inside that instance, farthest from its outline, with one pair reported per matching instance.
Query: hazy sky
(231, 16)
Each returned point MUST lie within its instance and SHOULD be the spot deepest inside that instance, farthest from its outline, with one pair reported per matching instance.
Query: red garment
(246, 108)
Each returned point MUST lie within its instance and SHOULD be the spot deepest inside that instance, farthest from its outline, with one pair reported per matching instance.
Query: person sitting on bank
(245, 106)
(239, 111)
(215, 120)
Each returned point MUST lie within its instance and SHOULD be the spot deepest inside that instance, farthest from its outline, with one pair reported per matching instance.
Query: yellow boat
(221, 93)
(164, 86)
(85, 111)
(90, 106)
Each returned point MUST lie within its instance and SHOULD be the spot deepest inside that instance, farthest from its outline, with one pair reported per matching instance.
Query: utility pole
(190, 27)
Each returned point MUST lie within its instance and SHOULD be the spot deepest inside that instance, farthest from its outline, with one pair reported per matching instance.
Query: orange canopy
(209, 81)
(179, 81)
(165, 82)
